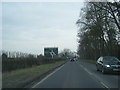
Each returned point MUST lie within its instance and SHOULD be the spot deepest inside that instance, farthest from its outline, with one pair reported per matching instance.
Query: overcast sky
(29, 27)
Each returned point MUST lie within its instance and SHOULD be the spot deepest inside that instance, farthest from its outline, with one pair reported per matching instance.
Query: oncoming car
(107, 64)
(72, 59)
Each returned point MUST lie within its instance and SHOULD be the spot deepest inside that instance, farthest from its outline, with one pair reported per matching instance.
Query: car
(72, 59)
(107, 64)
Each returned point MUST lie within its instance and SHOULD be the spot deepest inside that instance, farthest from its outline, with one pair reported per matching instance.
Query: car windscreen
(110, 60)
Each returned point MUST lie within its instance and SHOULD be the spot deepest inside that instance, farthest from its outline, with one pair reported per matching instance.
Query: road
(78, 75)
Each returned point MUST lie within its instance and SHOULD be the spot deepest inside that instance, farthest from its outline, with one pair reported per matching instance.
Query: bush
(20, 63)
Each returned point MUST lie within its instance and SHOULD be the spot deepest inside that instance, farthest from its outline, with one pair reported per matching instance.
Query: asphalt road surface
(78, 75)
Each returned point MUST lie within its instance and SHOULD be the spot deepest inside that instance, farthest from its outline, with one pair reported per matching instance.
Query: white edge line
(47, 76)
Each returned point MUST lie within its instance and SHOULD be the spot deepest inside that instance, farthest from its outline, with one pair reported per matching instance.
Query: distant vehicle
(72, 59)
(107, 64)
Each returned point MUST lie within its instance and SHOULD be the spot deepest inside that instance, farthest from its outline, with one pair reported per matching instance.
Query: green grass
(88, 61)
(18, 78)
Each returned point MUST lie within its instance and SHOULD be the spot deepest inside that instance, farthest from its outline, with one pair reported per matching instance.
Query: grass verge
(88, 61)
(22, 77)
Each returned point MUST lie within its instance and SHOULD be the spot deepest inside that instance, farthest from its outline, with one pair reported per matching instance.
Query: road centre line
(94, 76)
(47, 76)
(86, 70)
(104, 85)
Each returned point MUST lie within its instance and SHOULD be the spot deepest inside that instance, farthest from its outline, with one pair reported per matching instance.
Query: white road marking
(86, 70)
(94, 76)
(47, 76)
(104, 85)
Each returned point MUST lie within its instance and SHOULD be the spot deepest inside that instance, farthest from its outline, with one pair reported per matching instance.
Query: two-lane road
(78, 75)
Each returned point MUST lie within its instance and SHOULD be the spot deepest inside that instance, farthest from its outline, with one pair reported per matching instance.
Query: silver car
(107, 64)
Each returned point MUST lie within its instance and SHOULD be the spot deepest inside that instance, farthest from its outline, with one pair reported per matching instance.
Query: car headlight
(107, 65)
